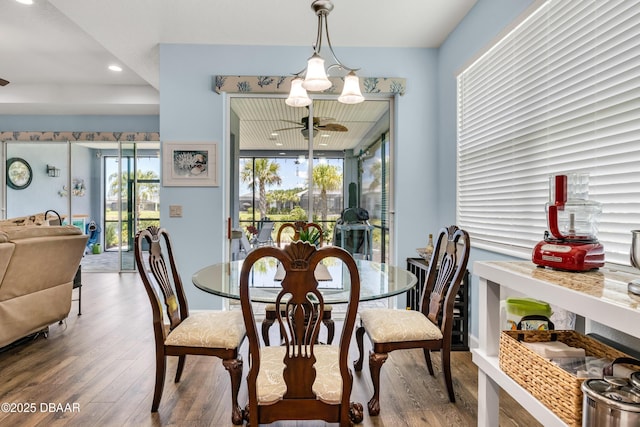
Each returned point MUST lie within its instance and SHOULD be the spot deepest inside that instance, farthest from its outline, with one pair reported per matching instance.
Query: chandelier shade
(351, 91)
(316, 77)
(298, 96)
(316, 74)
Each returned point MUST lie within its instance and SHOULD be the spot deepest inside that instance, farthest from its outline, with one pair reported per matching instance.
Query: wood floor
(97, 369)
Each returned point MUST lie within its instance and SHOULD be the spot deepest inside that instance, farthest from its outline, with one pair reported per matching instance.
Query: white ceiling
(55, 52)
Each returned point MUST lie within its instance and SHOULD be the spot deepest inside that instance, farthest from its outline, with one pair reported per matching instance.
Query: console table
(599, 295)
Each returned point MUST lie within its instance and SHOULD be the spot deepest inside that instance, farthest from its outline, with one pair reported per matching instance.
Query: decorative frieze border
(78, 136)
(282, 84)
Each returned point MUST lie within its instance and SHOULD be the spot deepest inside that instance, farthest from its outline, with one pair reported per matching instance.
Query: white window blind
(559, 94)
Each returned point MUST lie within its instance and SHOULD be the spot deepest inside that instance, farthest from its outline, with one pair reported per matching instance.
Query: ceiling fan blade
(297, 127)
(4, 82)
(334, 127)
(290, 121)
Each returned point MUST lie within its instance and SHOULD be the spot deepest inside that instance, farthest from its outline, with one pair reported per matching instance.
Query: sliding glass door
(310, 164)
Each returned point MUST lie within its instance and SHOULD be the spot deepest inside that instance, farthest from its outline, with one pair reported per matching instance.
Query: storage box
(556, 388)
(517, 308)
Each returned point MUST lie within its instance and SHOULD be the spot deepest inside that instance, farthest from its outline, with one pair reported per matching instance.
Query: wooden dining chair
(300, 379)
(430, 328)
(270, 309)
(206, 333)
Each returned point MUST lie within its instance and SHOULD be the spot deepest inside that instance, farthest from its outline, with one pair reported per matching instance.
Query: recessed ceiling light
(115, 68)
(279, 144)
(25, 1)
(274, 134)
(325, 135)
(323, 144)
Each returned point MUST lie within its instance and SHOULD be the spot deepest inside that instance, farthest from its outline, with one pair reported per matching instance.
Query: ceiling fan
(318, 125)
(4, 82)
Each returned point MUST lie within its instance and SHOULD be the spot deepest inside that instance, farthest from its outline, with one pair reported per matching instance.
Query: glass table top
(376, 280)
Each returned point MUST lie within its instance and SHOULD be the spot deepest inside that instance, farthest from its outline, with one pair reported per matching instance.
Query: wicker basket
(556, 388)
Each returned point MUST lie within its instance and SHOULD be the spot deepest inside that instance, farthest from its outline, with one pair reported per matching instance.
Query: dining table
(377, 280)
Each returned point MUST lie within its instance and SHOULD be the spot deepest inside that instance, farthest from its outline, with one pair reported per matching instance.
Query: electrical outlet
(175, 211)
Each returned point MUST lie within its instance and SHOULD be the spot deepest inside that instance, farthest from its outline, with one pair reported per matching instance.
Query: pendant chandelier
(314, 77)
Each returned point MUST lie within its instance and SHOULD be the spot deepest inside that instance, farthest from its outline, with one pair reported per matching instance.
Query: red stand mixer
(570, 243)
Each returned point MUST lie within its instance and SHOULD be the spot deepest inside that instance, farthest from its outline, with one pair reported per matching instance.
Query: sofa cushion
(35, 219)
(17, 232)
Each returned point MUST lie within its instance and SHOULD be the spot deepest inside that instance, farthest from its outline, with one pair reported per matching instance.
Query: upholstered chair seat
(389, 325)
(221, 329)
(327, 386)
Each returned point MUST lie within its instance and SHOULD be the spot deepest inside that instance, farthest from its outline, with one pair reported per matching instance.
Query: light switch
(175, 211)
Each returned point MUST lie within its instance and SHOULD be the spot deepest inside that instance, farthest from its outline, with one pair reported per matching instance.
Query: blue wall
(190, 111)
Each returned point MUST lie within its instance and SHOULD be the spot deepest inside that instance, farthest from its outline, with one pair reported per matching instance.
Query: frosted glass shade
(298, 96)
(316, 76)
(351, 91)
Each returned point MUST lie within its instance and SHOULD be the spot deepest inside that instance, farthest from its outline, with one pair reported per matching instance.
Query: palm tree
(327, 178)
(262, 172)
(148, 187)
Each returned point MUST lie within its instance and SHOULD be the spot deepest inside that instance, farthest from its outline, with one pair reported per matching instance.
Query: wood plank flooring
(97, 369)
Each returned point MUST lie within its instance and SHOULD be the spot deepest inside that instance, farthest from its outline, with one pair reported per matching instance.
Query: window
(559, 94)
(278, 188)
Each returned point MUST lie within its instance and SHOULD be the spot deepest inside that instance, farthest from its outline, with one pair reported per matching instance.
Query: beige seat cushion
(219, 329)
(389, 325)
(270, 384)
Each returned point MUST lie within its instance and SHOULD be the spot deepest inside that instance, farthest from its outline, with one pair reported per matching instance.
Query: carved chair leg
(446, 368)
(357, 364)
(427, 358)
(266, 324)
(331, 329)
(181, 360)
(356, 413)
(376, 360)
(234, 366)
(161, 361)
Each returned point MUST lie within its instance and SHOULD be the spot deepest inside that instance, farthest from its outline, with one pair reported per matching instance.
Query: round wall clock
(18, 173)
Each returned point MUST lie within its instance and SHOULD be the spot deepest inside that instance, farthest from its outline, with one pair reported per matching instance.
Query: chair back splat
(300, 379)
(310, 229)
(450, 257)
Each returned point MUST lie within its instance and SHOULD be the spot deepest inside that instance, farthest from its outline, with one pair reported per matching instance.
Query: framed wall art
(189, 165)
